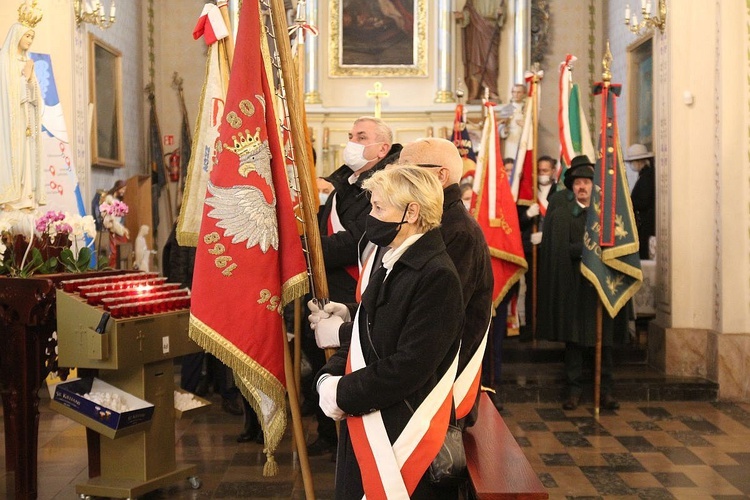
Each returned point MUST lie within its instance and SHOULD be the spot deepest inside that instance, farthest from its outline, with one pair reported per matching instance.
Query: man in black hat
(567, 301)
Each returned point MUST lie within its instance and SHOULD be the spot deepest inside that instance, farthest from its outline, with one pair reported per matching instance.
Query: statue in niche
(21, 177)
(481, 22)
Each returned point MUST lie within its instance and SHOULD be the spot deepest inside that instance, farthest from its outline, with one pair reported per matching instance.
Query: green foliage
(73, 265)
(37, 265)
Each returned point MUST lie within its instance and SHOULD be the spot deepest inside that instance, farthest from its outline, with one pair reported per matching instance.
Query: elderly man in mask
(342, 224)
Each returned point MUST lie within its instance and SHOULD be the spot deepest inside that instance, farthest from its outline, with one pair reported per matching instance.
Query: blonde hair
(410, 184)
(382, 130)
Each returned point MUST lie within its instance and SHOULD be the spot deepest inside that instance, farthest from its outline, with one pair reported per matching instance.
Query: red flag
(249, 261)
(496, 212)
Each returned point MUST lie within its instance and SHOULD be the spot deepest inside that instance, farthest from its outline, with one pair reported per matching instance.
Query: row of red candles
(85, 291)
(154, 294)
(150, 307)
(95, 299)
(74, 285)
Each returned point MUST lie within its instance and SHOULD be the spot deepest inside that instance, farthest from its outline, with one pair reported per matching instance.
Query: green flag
(610, 254)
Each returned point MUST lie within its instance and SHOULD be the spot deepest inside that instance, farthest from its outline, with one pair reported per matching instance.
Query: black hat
(580, 167)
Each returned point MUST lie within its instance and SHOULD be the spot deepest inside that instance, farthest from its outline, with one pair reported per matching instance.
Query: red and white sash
(467, 383)
(393, 471)
(335, 226)
(366, 263)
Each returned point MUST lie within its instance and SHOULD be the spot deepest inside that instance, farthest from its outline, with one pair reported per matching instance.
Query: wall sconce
(649, 21)
(93, 13)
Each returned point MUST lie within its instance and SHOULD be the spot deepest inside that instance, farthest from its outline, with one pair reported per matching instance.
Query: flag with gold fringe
(496, 212)
(249, 260)
(610, 246)
(212, 28)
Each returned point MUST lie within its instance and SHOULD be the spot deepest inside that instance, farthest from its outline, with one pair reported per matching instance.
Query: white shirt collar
(393, 254)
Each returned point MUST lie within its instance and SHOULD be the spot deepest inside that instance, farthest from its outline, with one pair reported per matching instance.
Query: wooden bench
(497, 466)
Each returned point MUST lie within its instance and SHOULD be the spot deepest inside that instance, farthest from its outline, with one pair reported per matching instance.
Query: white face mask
(544, 180)
(354, 156)
(467, 204)
(323, 198)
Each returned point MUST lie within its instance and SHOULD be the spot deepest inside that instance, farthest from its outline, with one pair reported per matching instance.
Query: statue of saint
(21, 177)
(142, 252)
(512, 117)
(481, 21)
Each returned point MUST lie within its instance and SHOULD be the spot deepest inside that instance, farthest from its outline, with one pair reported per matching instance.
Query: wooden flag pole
(598, 359)
(229, 40)
(298, 433)
(298, 343)
(302, 159)
(535, 227)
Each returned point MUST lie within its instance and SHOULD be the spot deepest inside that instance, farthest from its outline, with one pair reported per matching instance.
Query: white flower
(89, 226)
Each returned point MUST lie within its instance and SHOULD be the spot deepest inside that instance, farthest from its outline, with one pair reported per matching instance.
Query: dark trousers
(191, 371)
(217, 374)
(317, 358)
(574, 360)
(492, 363)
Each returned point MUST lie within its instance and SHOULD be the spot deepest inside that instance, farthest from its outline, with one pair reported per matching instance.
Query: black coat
(468, 249)
(352, 206)
(178, 261)
(643, 197)
(415, 324)
(526, 224)
(567, 300)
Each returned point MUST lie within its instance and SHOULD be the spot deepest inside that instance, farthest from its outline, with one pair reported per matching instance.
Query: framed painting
(383, 38)
(641, 93)
(105, 88)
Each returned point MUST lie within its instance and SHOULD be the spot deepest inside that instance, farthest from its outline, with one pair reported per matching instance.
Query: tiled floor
(659, 450)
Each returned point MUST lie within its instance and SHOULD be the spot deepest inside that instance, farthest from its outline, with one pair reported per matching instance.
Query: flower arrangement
(30, 245)
(112, 211)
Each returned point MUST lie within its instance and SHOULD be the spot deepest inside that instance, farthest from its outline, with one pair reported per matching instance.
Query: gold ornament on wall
(93, 13)
(649, 22)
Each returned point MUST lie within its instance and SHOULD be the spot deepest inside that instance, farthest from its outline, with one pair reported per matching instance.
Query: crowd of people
(411, 300)
(411, 309)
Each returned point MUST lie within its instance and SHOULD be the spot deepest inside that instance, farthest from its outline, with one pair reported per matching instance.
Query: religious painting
(641, 93)
(105, 80)
(378, 38)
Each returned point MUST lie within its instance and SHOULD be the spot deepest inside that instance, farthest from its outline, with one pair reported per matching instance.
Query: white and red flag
(249, 261)
(523, 183)
(206, 131)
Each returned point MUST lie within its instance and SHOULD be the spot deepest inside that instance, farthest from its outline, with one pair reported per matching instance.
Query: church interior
(683, 378)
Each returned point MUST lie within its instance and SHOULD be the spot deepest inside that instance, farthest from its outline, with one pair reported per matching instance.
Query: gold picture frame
(641, 92)
(105, 91)
(365, 41)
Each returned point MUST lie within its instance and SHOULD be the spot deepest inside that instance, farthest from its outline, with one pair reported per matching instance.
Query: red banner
(249, 261)
(496, 212)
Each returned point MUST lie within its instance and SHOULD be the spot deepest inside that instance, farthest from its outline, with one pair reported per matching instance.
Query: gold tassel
(271, 468)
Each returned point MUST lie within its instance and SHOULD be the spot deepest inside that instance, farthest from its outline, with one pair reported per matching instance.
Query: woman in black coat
(403, 348)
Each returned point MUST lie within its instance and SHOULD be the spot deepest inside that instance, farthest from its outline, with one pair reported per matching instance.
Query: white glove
(327, 391)
(532, 211)
(316, 314)
(338, 309)
(327, 332)
(536, 238)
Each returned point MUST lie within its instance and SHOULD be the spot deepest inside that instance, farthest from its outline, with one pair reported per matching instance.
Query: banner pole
(297, 431)
(598, 359)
